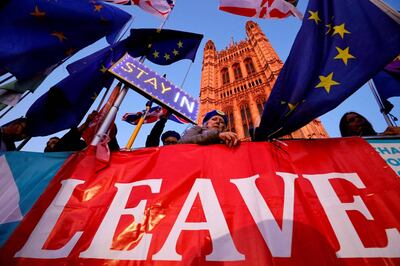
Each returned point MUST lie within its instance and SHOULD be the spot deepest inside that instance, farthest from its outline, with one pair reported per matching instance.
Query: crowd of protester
(212, 131)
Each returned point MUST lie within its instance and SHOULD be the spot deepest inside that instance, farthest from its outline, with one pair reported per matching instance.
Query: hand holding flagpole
(139, 125)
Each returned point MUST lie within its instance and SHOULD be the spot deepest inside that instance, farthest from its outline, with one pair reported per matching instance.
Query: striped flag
(159, 8)
(261, 8)
(177, 119)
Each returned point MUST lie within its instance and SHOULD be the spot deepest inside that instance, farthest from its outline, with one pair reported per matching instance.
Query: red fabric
(314, 240)
(259, 8)
(91, 131)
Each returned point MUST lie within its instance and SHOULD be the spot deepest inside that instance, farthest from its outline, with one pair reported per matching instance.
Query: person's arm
(198, 135)
(391, 131)
(153, 139)
(88, 120)
(71, 141)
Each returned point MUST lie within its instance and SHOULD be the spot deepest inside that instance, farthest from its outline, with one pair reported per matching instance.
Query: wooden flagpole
(138, 126)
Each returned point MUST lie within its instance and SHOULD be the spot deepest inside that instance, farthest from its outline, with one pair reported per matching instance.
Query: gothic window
(236, 71)
(231, 120)
(249, 66)
(260, 105)
(246, 119)
(225, 76)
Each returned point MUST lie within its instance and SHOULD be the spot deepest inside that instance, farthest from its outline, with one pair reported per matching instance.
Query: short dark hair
(368, 130)
(170, 133)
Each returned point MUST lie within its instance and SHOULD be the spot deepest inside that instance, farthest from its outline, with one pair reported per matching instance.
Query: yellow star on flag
(344, 55)
(175, 52)
(180, 44)
(155, 54)
(94, 96)
(292, 106)
(327, 82)
(97, 8)
(149, 45)
(103, 69)
(167, 57)
(329, 26)
(59, 35)
(70, 51)
(38, 13)
(314, 16)
(340, 30)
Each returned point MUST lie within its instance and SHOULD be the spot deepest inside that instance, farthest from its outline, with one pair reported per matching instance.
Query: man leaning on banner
(340, 46)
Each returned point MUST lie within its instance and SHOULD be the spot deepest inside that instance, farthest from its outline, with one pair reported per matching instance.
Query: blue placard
(147, 82)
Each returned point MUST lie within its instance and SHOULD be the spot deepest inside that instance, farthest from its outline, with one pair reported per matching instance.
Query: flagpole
(380, 103)
(22, 144)
(187, 72)
(114, 109)
(6, 79)
(26, 93)
(387, 9)
(148, 105)
(110, 116)
(104, 97)
(138, 126)
(10, 107)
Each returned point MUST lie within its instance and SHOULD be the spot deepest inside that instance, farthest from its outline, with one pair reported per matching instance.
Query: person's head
(354, 124)
(15, 130)
(51, 143)
(215, 119)
(170, 137)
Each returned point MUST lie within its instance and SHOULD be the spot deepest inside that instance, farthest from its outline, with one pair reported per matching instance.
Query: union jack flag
(261, 8)
(152, 116)
(159, 8)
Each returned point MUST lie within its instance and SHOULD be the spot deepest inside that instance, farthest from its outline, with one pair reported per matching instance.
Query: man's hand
(229, 138)
(392, 131)
(91, 116)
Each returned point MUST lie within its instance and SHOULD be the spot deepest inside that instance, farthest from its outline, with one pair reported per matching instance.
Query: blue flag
(35, 35)
(163, 47)
(66, 103)
(387, 81)
(24, 177)
(341, 44)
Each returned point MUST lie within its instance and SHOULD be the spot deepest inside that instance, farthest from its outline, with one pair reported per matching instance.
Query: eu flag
(341, 44)
(36, 34)
(387, 81)
(67, 102)
(163, 47)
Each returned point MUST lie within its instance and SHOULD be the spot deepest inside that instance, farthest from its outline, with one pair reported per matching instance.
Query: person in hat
(168, 138)
(212, 131)
(12, 132)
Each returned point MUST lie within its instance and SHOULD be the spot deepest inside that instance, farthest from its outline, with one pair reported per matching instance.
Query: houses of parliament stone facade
(239, 80)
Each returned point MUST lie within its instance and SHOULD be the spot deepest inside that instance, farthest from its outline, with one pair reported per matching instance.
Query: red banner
(311, 202)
